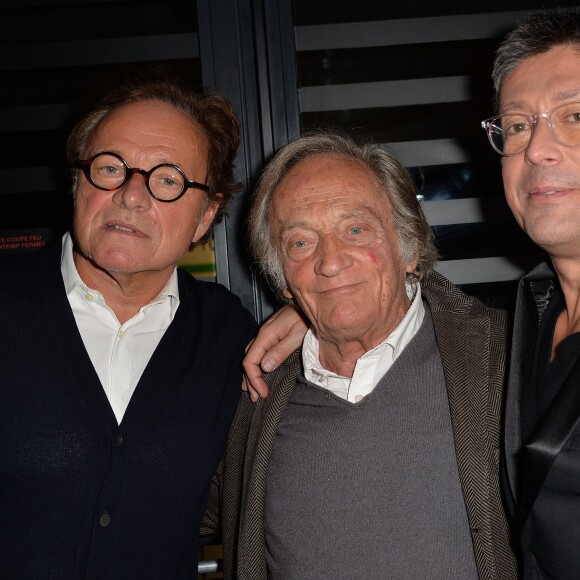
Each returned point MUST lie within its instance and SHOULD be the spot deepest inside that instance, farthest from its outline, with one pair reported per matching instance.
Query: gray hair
(414, 236)
(537, 34)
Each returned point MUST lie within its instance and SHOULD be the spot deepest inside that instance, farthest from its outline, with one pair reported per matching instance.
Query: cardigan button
(118, 440)
(104, 520)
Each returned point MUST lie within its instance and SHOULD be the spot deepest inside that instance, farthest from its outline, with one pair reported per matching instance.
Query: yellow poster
(200, 261)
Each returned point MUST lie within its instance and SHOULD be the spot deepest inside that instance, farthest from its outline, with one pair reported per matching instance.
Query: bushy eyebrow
(358, 213)
(519, 106)
(567, 94)
(160, 161)
(364, 212)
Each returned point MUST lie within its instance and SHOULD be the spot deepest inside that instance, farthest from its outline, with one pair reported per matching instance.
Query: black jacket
(543, 468)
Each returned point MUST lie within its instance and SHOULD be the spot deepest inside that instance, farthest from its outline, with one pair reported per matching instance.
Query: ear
(412, 264)
(287, 294)
(205, 221)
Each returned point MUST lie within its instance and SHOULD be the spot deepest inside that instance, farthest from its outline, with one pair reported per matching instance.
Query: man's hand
(277, 339)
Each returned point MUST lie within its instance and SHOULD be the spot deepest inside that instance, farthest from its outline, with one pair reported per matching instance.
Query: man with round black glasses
(121, 375)
(165, 182)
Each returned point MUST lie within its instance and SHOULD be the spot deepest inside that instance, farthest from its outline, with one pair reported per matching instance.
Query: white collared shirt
(373, 365)
(119, 352)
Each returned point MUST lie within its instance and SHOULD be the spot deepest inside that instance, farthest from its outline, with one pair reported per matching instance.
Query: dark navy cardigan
(83, 497)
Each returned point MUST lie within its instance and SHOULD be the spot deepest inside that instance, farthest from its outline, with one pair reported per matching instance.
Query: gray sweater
(369, 490)
(471, 339)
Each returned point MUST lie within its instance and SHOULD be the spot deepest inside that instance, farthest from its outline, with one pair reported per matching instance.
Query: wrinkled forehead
(150, 117)
(552, 76)
(152, 132)
(330, 173)
(329, 187)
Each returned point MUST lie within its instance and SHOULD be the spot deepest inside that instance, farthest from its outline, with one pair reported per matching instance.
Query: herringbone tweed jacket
(472, 343)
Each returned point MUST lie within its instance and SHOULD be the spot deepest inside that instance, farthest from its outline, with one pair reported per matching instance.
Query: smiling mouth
(124, 229)
(340, 289)
(548, 192)
(120, 228)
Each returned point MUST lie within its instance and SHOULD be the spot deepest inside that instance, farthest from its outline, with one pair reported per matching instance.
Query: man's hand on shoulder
(277, 339)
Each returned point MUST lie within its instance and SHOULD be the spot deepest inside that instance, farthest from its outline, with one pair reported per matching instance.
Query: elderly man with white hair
(376, 453)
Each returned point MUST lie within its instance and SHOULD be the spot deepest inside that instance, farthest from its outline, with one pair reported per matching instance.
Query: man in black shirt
(537, 132)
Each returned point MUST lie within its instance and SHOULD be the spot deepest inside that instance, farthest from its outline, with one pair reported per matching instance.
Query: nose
(543, 149)
(133, 194)
(331, 256)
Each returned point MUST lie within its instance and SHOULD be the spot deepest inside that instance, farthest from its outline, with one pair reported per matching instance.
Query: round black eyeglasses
(165, 182)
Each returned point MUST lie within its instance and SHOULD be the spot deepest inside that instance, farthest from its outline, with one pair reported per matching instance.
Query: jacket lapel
(465, 364)
(555, 428)
(524, 337)
(469, 338)
(252, 547)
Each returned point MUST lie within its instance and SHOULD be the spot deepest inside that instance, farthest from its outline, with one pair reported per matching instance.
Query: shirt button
(105, 520)
(118, 440)
(90, 296)
(358, 398)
